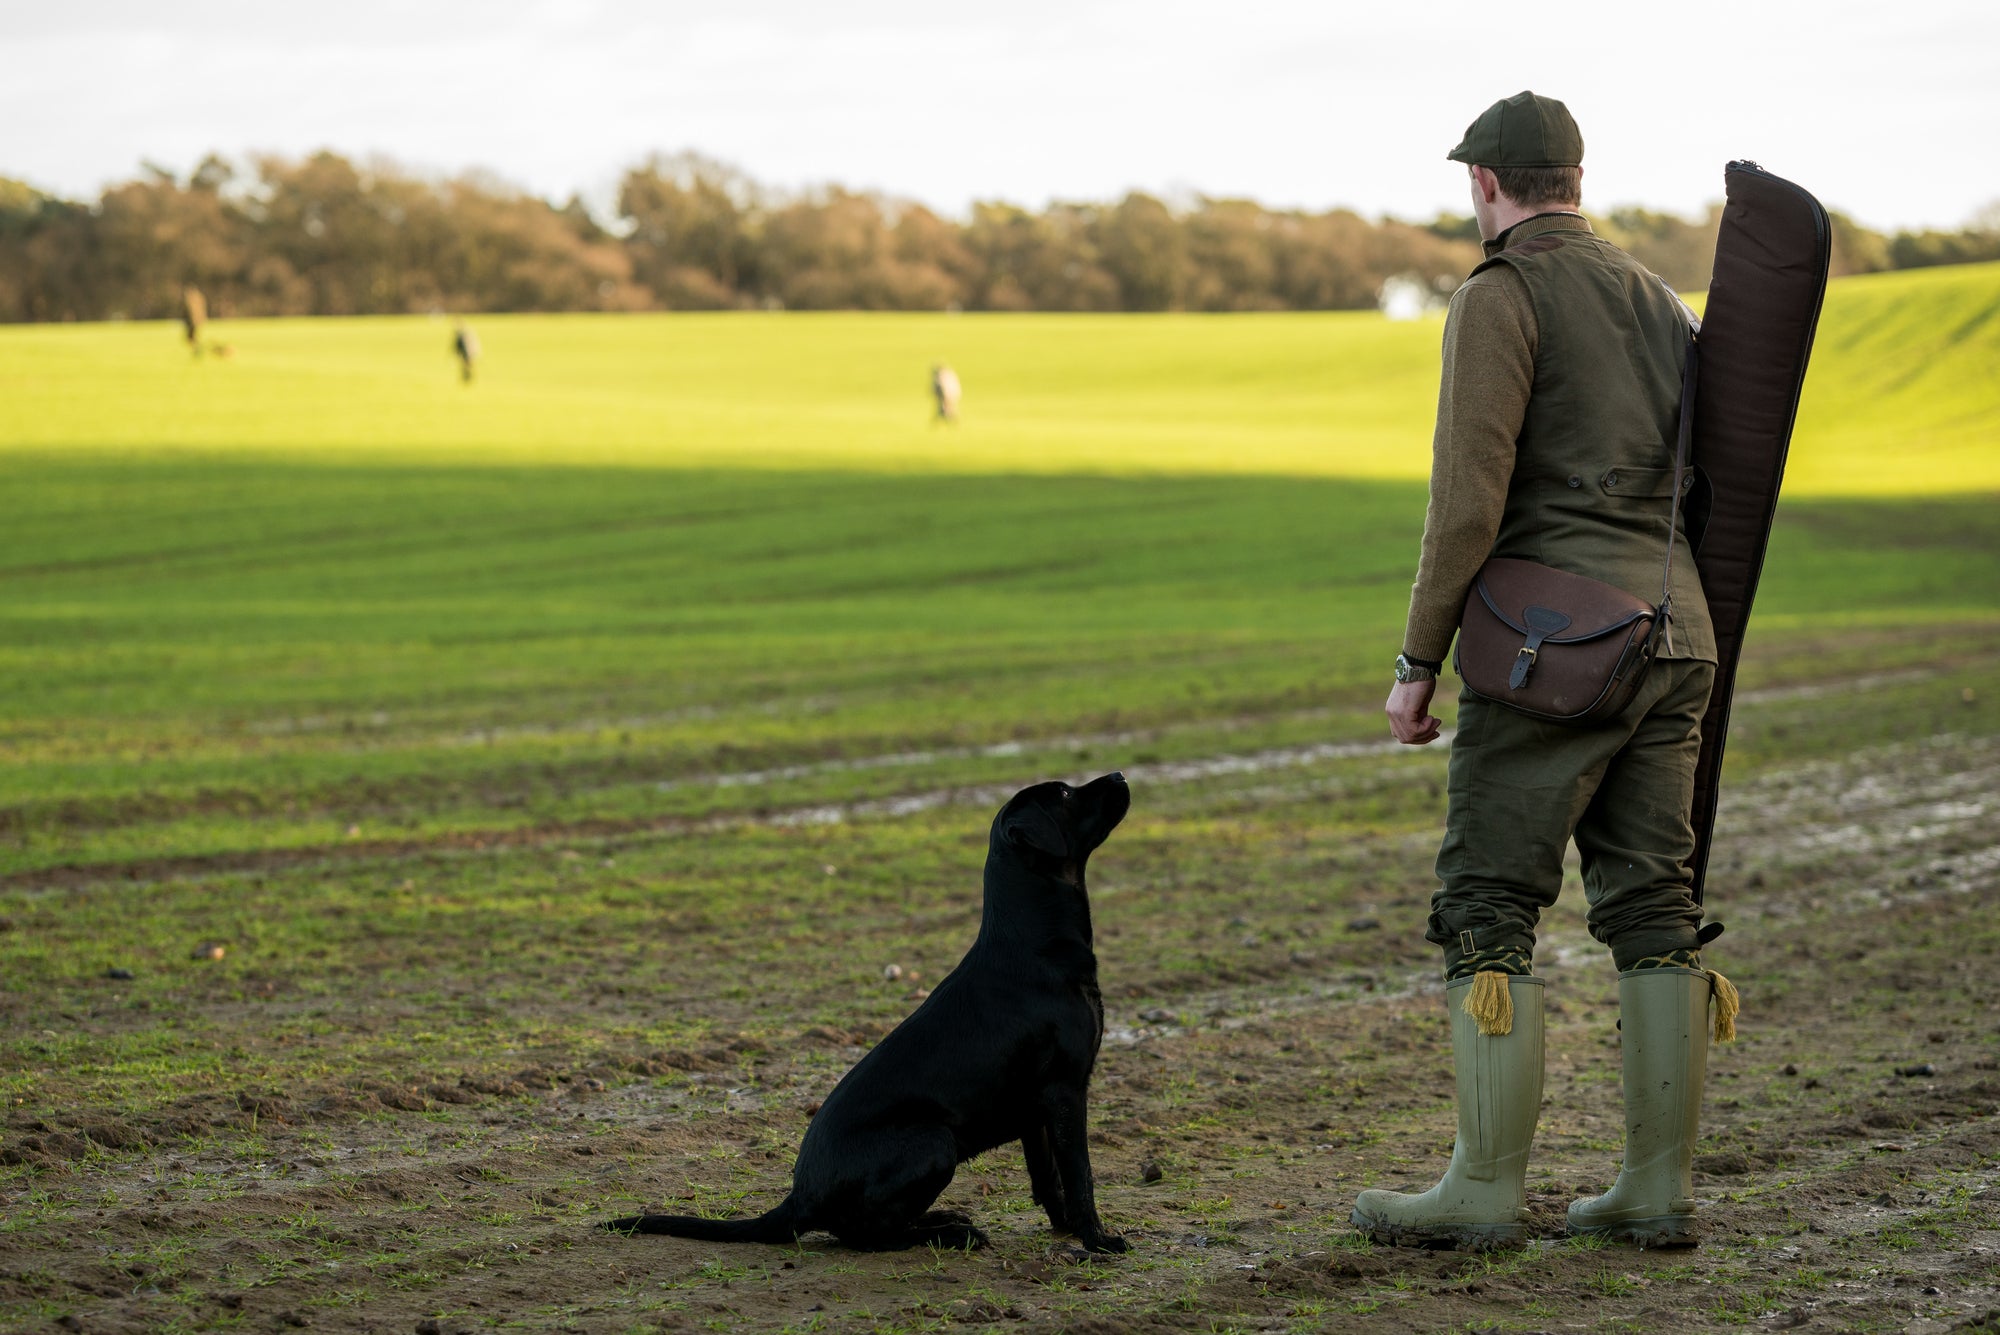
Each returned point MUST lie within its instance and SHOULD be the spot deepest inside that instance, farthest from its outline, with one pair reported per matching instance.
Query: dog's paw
(1105, 1242)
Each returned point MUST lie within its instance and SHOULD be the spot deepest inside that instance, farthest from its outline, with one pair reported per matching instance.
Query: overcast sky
(1888, 111)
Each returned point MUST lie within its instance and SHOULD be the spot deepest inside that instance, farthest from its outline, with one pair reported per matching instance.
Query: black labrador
(1002, 1050)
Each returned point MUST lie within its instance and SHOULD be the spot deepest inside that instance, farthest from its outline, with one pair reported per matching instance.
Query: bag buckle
(1524, 663)
(1542, 623)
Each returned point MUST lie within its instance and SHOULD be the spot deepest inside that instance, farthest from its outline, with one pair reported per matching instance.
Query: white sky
(1887, 111)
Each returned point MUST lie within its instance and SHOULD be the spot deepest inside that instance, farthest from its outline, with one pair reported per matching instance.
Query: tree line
(326, 235)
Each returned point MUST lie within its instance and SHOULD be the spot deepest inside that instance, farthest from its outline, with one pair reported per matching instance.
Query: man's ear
(1037, 829)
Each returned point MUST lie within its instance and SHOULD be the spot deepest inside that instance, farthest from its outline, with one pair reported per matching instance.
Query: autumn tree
(327, 235)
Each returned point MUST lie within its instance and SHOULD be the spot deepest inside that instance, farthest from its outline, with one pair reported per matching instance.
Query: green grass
(1903, 394)
(1337, 394)
(244, 615)
(320, 592)
(206, 655)
(1901, 398)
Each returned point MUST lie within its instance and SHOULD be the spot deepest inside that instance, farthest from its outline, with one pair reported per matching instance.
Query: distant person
(194, 315)
(465, 345)
(944, 388)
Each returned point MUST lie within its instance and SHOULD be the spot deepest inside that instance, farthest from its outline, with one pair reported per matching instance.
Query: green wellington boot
(1663, 1018)
(1481, 1202)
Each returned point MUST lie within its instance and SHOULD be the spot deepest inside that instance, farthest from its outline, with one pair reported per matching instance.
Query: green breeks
(1521, 789)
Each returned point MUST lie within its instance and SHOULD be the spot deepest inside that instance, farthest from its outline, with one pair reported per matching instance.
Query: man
(945, 391)
(1557, 423)
(194, 315)
(465, 347)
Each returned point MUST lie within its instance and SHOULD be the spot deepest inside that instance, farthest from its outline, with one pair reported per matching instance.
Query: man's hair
(1541, 187)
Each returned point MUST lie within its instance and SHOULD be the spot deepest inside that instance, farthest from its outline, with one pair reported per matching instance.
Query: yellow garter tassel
(1728, 1005)
(1491, 1003)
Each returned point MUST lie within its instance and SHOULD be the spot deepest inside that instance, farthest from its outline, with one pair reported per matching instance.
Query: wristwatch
(1415, 669)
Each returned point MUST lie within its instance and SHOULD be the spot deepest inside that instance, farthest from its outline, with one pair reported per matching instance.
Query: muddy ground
(1284, 1051)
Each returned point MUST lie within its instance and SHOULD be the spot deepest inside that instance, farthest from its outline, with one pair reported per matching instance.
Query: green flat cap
(1525, 130)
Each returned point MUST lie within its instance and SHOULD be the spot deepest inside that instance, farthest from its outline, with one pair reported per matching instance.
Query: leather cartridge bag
(1552, 645)
(1563, 647)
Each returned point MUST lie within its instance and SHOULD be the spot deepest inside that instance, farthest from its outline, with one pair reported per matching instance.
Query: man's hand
(1409, 713)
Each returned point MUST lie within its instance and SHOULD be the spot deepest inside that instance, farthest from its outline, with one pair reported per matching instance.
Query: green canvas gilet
(1592, 489)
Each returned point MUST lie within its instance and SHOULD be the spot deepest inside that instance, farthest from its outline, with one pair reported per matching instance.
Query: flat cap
(1525, 130)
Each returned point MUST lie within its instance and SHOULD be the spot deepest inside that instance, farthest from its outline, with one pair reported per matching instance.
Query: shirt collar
(1561, 220)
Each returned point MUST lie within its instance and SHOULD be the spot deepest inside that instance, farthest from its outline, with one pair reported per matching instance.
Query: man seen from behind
(1557, 423)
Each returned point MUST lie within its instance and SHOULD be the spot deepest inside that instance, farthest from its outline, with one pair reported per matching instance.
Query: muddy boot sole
(1441, 1237)
(1669, 1231)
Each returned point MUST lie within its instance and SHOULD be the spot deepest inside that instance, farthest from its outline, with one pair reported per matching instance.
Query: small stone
(121, 975)
(830, 870)
(1158, 1015)
(917, 994)
(1150, 1171)
(1364, 925)
(891, 972)
(353, 832)
(1916, 1069)
(210, 950)
(429, 1326)
(1968, 696)
(1791, 1068)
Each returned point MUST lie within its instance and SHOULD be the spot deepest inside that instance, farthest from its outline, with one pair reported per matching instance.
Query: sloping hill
(1904, 392)
(1904, 395)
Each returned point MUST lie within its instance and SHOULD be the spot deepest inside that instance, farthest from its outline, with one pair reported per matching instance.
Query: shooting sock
(1515, 960)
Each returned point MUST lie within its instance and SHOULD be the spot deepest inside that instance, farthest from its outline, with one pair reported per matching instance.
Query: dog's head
(1053, 823)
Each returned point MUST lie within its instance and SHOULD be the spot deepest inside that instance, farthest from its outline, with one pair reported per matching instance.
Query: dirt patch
(1849, 1172)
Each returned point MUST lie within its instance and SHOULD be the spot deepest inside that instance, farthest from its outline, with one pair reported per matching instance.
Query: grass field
(1902, 397)
(558, 761)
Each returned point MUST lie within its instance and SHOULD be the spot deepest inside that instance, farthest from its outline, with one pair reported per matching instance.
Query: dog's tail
(782, 1224)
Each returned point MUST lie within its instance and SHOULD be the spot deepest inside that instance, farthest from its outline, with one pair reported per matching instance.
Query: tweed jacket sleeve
(1489, 370)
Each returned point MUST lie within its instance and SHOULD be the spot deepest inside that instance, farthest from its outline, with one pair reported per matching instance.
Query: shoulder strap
(1685, 437)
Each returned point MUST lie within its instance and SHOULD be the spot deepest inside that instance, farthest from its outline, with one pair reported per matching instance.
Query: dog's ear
(1029, 824)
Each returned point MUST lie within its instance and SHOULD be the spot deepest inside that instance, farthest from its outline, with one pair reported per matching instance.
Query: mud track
(1849, 1173)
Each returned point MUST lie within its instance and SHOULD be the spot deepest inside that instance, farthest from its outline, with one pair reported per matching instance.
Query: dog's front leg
(1042, 1175)
(1069, 1141)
